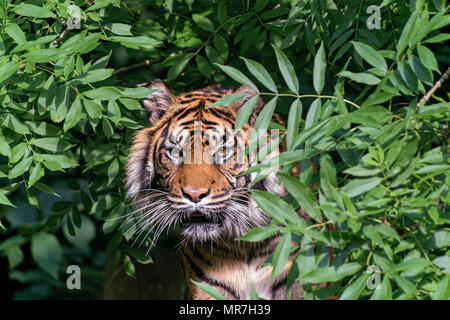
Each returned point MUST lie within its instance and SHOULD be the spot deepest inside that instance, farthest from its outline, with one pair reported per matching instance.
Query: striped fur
(204, 198)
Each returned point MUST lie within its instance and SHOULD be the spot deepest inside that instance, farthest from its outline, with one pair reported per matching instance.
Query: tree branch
(134, 66)
(436, 86)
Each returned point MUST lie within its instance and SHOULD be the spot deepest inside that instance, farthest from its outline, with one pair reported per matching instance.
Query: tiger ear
(159, 101)
(250, 94)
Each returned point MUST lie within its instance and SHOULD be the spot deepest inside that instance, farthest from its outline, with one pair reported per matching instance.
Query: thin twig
(61, 36)
(134, 66)
(133, 85)
(436, 86)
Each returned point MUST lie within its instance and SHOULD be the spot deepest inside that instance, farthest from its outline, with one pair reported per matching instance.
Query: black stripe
(144, 175)
(182, 112)
(259, 186)
(201, 275)
(201, 105)
(220, 113)
(203, 94)
(279, 284)
(188, 101)
(162, 137)
(209, 123)
(186, 123)
(219, 195)
(199, 256)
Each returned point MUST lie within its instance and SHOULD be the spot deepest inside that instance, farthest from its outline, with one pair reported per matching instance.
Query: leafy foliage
(350, 96)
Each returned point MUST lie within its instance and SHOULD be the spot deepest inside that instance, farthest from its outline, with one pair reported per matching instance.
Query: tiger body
(179, 176)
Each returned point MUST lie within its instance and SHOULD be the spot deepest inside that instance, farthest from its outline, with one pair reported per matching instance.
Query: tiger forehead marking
(184, 172)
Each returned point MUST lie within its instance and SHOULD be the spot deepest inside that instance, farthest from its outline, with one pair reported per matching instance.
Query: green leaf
(120, 29)
(107, 128)
(45, 55)
(74, 115)
(14, 31)
(30, 10)
(36, 173)
(281, 254)
(44, 188)
(5, 149)
(416, 264)
(93, 109)
(443, 262)
(88, 44)
(353, 291)
(357, 187)
(238, 76)
(265, 115)
(427, 57)
(203, 22)
(388, 231)
(254, 294)
(361, 171)
(443, 290)
(47, 252)
(221, 46)
(177, 68)
(275, 207)
(15, 256)
(169, 5)
(140, 255)
(259, 233)
(406, 285)
(244, 113)
(229, 99)
(20, 168)
(407, 32)
(371, 233)
(320, 65)
(138, 43)
(327, 175)
(92, 76)
(331, 274)
(51, 144)
(313, 115)
(209, 290)
(306, 258)
(113, 170)
(129, 267)
(287, 70)
(361, 77)
(302, 194)
(8, 70)
(103, 93)
(5, 201)
(295, 115)
(370, 55)
(203, 66)
(260, 73)
(384, 292)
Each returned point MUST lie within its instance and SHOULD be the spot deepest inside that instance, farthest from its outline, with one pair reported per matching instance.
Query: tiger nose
(195, 195)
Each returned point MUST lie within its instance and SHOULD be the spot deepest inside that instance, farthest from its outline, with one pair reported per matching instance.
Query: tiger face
(185, 170)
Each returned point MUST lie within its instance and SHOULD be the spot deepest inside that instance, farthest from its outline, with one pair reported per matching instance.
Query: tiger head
(185, 170)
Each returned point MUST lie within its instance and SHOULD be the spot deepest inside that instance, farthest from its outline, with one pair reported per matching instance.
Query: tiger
(206, 201)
